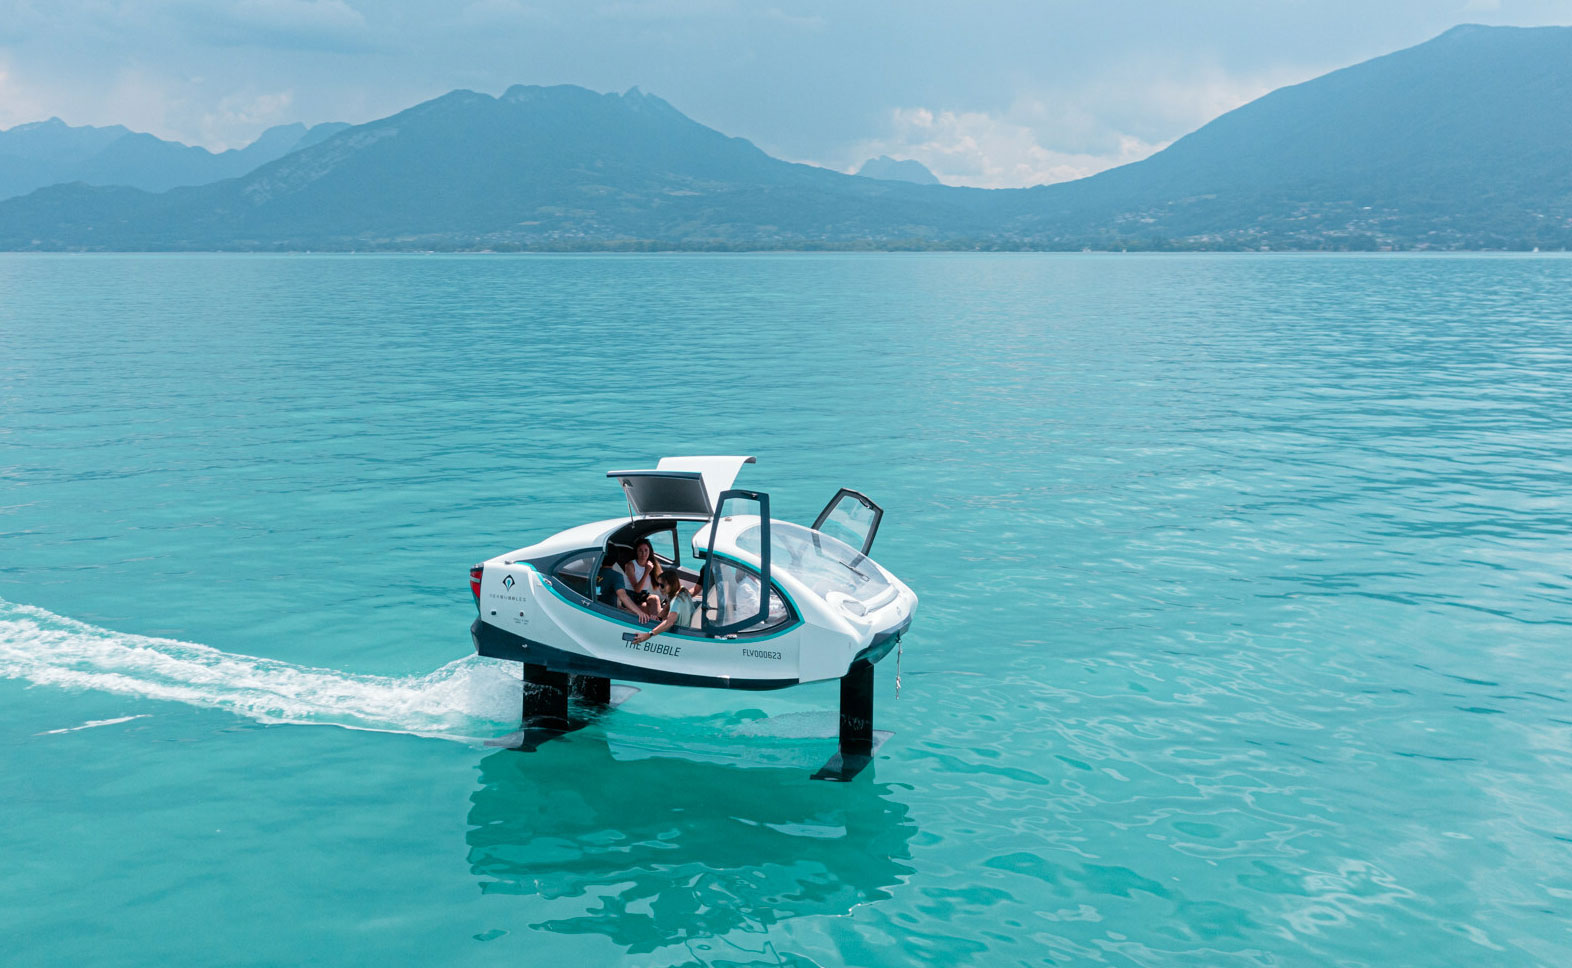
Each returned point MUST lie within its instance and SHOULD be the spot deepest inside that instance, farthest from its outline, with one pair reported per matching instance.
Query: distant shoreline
(652, 247)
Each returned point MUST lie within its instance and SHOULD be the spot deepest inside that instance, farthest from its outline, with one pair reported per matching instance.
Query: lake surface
(1244, 639)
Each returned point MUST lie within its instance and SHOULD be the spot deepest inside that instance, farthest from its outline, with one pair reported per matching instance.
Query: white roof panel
(718, 472)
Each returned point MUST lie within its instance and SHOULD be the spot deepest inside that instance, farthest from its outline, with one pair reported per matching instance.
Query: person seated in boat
(679, 610)
(614, 588)
(642, 574)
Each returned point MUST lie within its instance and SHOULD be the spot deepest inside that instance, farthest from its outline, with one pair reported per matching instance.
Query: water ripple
(1245, 591)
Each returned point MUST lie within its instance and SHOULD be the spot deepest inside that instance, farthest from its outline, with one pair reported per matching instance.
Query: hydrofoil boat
(777, 604)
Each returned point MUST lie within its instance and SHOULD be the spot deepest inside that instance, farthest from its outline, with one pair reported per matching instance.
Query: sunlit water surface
(1244, 639)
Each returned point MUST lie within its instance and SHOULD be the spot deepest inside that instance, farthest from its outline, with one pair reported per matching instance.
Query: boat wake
(465, 700)
(472, 700)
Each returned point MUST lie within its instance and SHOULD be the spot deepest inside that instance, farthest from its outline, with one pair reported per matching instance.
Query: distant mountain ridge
(561, 166)
(1459, 142)
(52, 152)
(889, 169)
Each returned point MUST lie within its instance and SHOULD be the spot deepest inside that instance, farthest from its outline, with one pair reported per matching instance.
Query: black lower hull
(552, 675)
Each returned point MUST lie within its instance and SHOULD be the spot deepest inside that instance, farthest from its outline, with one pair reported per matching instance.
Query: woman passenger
(643, 571)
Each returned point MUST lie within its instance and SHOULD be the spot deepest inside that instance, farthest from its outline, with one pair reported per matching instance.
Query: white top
(641, 577)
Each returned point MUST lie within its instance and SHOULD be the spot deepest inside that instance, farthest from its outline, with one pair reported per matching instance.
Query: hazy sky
(984, 93)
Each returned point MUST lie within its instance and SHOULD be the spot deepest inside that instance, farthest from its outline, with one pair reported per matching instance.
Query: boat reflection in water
(667, 851)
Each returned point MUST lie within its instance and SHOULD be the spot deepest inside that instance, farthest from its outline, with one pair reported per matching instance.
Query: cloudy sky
(1007, 93)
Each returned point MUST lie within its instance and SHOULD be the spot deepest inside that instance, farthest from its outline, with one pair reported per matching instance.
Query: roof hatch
(687, 486)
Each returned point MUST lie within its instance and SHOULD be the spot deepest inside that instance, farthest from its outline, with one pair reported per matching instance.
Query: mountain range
(50, 152)
(1460, 142)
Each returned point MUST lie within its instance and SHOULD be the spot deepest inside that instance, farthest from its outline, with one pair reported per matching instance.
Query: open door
(850, 517)
(679, 493)
(727, 588)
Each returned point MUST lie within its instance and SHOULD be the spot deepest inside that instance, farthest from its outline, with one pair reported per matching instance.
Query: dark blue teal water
(1245, 638)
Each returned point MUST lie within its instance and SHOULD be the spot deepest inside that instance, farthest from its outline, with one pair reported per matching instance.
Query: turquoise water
(1243, 640)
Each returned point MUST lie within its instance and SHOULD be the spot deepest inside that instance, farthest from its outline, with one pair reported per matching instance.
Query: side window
(735, 596)
(574, 572)
(664, 544)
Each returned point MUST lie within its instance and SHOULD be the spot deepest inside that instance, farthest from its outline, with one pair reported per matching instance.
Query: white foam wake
(468, 696)
(93, 724)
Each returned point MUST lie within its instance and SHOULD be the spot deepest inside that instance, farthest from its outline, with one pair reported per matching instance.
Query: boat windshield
(823, 563)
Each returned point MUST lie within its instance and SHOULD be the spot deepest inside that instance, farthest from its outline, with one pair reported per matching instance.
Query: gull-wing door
(718, 472)
(680, 486)
(850, 517)
(680, 493)
(736, 601)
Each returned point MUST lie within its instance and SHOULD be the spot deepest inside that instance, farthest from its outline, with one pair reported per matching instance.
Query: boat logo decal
(660, 648)
(508, 582)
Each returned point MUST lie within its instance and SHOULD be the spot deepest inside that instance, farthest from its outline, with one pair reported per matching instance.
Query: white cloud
(977, 149)
(501, 13)
(330, 25)
(174, 108)
(710, 14)
(1061, 135)
(634, 10)
(812, 22)
(310, 14)
(141, 100)
(240, 117)
(17, 104)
